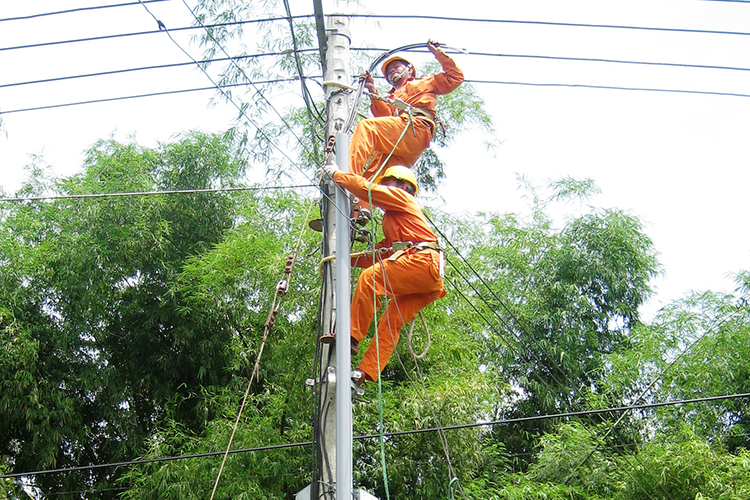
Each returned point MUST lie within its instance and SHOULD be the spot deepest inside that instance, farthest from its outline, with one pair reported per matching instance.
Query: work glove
(325, 173)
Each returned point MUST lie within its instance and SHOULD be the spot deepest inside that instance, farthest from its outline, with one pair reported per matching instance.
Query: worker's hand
(325, 173)
(434, 47)
(369, 82)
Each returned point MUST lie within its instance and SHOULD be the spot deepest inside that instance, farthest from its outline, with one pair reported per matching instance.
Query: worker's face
(397, 183)
(397, 73)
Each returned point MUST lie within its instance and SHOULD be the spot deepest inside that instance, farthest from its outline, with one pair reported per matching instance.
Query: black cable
(138, 33)
(258, 91)
(158, 66)
(79, 9)
(241, 109)
(487, 82)
(582, 59)
(607, 87)
(521, 325)
(148, 193)
(138, 96)
(548, 23)
(309, 103)
(508, 421)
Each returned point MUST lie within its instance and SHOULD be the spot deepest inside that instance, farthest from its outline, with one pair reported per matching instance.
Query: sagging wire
(309, 104)
(242, 71)
(282, 287)
(241, 109)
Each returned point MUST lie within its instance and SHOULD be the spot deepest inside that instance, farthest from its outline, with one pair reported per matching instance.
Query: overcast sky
(678, 160)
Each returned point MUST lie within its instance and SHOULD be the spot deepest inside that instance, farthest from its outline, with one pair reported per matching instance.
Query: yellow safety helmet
(393, 59)
(399, 172)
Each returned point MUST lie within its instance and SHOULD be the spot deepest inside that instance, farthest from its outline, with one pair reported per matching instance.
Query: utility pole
(332, 478)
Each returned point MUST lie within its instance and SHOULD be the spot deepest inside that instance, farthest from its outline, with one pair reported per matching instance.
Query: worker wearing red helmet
(379, 136)
(410, 276)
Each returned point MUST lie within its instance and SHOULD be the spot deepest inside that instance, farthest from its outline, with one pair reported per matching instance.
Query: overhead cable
(147, 193)
(584, 59)
(157, 66)
(138, 96)
(79, 9)
(549, 23)
(607, 87)
(273, 144)
(476, 81)
(258, 91)
(508, 421)
(138, 33)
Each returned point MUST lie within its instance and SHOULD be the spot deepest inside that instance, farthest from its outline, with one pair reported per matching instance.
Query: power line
(363, 49)
(148, 193)
(607, 87)
(488, 82)
(79, 9)
(138, 96)
(472, 425)
(258, 91)
(144, 68)
(584, 59)
(228, 97)
(549, 23)
(138, 33)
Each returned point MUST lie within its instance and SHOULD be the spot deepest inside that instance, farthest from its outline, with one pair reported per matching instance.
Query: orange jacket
(403, 219)
(422, 92)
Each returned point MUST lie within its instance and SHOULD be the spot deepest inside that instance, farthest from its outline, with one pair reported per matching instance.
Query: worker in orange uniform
(411, 275)
(379, 137)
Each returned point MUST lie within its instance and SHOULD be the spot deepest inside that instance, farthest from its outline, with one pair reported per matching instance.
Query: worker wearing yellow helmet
(376, 138)
(410, 273)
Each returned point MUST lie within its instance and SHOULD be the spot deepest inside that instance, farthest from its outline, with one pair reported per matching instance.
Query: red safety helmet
(397, 58)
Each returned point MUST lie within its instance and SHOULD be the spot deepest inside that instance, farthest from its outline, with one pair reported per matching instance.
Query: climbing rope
(282, 287)
(409, 337)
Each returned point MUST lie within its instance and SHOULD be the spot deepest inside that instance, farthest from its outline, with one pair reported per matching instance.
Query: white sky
(677, 160)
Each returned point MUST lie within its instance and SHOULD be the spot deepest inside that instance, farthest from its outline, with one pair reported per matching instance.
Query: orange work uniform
(379, 136)
(412, 281)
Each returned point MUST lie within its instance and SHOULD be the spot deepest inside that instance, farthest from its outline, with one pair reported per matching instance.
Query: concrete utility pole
(335, 410)
(332, 479)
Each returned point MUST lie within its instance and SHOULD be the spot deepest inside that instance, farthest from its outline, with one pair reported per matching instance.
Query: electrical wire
(258, 92)
(521, 325)
(157, 66)
(79, 9)
(148, 193)
(509, 421)
(150, 94)
(583, 59)
(547, 23)
(609, 87)
(314, 117)
(239, 108)
(139, 33)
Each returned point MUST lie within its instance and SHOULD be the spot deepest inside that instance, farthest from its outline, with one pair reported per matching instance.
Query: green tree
(552, 304)
(101, 346)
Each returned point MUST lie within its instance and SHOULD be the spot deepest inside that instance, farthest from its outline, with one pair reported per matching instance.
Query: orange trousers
(412, 282)
(380, 136)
